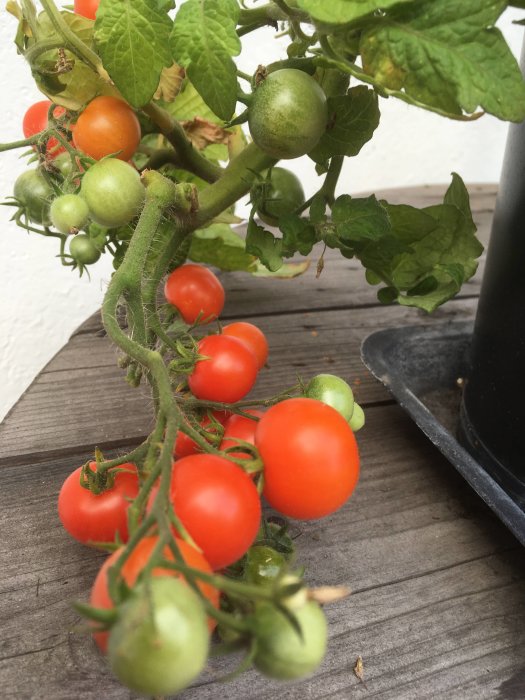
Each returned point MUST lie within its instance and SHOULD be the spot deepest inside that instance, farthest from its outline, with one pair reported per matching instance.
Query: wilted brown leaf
(170, 83)
(203, 133)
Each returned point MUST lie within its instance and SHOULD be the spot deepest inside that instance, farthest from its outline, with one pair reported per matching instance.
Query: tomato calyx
(98, 480)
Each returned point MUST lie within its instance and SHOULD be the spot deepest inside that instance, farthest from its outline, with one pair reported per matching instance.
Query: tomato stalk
(188, 157)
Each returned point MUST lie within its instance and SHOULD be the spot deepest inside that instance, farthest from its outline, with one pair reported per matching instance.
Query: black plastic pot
(493, 408)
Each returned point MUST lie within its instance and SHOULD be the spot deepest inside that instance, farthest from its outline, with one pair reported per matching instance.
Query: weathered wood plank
(82, 400)
(438, 585)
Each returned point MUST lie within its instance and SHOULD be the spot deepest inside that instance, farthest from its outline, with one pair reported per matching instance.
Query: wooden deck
(438, 603)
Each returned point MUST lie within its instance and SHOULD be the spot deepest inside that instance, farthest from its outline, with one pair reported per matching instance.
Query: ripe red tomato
(97, 518)
(311, 462)
(228, 373)
(218, 504)
(86, 8)
(240, 428)
(252, 337)
(135, 564)
(35, 120)
(107, 126)
(196, 292)
(185, 446)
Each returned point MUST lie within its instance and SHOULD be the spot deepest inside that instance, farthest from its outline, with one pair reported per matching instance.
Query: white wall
(41, 302)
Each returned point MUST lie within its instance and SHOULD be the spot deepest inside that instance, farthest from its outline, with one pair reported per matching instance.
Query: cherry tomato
(218, 504)
(107, 126)
(196, 292)
(34, 193)
(83, 250)
(228, 373)
(113, 191)
(282, 195)
(240, 428)
(357, 420)
(333, 391)
(185, 446)
(288, 114)
(283, 653)
(252, 337)
(263, 565)
(160, 642)
(69, 213)
(311, 462)
(35, 120)
(86, 8)
(135, 563)
(90, 517)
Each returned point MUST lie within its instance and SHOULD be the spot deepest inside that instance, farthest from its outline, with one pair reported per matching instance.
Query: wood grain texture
(438, 585)
(438, 602)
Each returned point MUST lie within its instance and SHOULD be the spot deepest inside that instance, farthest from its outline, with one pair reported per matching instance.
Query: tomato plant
(160, 641)
(218, 504)
(107, 126)
(313, 472)
(281, 651)
(113, 192)
(240, 428)
(251, 336)
(69, 213)
(33, 192)
(36, 120)
(98, 517)
(288, 114)
(86, 8)
(134, 566)
(196, 292)
(227, 371)
(282, 194)
(333, 391)
(185, 446)
(83, 250)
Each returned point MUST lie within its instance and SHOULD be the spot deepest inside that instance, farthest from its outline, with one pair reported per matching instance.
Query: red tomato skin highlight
(228, 374)
(97, 518)
(310, 456)
(219, 506)
(240, 428)
(252, 337)
(131, 569)
(195, 291)
(107, 126)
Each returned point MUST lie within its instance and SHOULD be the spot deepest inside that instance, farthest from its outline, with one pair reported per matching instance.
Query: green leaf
(446, 55)
(189, 104)
(219, 246)
(264, 245)
(352, 120)
(344, 11)
(286, 272)
(298, 235)
(358, 219)
(132, 38)
(204, 39)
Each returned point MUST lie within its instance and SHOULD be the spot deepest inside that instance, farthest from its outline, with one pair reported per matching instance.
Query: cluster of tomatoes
(300, 454)
(87, 185)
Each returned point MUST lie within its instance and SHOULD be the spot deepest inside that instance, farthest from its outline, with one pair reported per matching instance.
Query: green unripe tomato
(357, 420)
(83, 250)
(160, 642)
(281, 195)
(281, 652)
(69, 213)
(34, 194)
(288, 114)
(63, 164)
(263, 565)
(113, 191)
(333, 391)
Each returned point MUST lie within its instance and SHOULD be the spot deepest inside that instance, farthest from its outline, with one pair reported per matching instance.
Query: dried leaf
(170, 83)
(202, 132)
(328, 594)
(359, 669)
